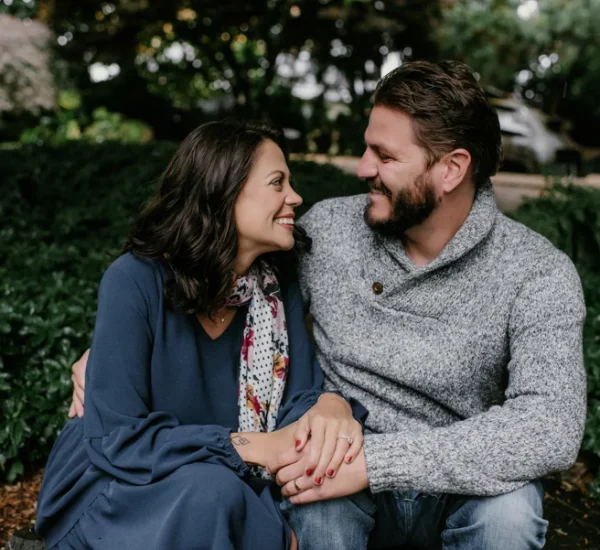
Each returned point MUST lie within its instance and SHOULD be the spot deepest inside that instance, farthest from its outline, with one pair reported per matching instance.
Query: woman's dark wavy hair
(190, 222)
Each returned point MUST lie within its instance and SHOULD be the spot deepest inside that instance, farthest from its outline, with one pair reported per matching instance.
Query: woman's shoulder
(148, 275)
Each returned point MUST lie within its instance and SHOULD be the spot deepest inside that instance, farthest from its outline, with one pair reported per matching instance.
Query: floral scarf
(265, 350)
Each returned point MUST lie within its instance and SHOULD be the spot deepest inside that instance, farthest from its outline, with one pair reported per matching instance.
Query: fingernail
(318, 480)
(330, 472)
(349, 460)
(309, 472)
(298, 443)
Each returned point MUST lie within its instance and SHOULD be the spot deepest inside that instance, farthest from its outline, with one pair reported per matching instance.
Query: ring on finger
(347, 438)
(296, 485)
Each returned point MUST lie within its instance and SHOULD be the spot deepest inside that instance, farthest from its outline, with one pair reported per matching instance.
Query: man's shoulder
(326, 213)
(530, 251)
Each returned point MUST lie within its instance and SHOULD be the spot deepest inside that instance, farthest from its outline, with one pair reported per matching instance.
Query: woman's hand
(78, 379)
(335, 436)
(301, 490)
(261, 448)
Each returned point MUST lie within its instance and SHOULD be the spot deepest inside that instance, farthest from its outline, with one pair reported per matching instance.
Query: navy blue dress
(151, 465)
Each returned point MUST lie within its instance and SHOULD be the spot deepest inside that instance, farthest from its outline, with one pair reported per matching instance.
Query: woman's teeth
(285, 221)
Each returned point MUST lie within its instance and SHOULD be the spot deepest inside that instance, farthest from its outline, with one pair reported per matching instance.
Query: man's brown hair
(448, 109)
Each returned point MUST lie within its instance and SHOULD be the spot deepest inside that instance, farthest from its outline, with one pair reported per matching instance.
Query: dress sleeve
(123, 436)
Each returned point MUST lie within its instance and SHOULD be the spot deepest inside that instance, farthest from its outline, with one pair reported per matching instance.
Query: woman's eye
(277, 182)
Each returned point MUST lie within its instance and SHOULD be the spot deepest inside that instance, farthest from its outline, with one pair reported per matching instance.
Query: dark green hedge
(570, 218)
(64, 213)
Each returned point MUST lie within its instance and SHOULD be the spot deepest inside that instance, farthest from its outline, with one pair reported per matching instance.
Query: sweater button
(377, 287)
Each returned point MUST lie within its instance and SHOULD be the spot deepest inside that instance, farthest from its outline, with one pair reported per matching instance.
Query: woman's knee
(209, 487)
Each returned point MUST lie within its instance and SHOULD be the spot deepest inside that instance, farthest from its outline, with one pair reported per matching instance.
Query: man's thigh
(407, 517)
(459, 522)
(512, 520)
(336, 524)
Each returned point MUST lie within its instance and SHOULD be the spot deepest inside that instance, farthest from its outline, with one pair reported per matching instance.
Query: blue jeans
(450, 522)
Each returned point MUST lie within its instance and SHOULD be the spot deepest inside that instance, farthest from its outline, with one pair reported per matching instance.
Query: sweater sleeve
(123, 436)
(539, 427)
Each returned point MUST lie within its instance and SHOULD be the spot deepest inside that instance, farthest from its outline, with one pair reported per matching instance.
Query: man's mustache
(379, 188)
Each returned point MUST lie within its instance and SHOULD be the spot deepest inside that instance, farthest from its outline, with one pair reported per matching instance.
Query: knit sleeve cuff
(393, 462)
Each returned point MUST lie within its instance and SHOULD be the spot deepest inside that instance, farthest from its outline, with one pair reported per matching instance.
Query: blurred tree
(26, 81)
(547, 50)
(173, 63)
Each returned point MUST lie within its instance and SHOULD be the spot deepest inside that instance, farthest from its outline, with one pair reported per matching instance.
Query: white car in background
(533, 142)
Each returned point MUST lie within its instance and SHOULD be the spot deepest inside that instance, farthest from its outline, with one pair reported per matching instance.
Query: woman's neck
(243, 262)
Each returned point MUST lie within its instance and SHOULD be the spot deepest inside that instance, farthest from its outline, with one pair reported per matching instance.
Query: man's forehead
(388, 128)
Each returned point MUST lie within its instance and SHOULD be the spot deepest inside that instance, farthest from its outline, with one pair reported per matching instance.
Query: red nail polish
(309, 472)
(298, 443)
(349, 460)
(330, 472)
(319, 480)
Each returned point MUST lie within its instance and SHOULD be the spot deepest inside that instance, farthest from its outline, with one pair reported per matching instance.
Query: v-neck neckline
(234, 320)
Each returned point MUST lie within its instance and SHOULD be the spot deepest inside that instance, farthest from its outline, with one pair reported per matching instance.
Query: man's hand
(334, 436)
(78, 379)
(352, 478)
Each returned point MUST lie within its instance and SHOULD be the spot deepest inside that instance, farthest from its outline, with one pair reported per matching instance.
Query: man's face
(402, 193)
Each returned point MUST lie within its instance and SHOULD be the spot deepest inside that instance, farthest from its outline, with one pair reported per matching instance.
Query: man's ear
(455, 167)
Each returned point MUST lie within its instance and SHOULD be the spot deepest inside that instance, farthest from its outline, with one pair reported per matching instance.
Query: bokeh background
(95, 95)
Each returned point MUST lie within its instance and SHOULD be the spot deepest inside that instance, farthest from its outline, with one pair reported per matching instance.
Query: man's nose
(367, 167)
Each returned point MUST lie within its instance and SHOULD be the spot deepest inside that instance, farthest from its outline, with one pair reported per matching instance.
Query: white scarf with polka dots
(265, 349)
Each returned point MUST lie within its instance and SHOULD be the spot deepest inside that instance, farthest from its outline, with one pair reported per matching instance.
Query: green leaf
(15, 469)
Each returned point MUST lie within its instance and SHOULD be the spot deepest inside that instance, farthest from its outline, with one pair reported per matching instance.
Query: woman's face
(264, 210)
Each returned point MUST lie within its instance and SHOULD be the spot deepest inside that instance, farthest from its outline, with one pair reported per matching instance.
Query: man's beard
(410, 207)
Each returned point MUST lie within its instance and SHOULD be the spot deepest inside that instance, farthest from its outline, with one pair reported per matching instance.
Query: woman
(201, 372)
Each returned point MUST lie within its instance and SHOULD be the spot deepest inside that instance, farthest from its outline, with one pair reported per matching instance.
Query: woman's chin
(289, 245)
(281, 245)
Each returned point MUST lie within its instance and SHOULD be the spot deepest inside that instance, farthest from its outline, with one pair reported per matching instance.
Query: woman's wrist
(251, 446)
(260, 447)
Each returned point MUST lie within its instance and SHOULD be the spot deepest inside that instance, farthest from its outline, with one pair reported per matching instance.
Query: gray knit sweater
(471, 367)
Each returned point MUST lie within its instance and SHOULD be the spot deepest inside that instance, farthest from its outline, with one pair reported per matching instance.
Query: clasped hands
(327, 460)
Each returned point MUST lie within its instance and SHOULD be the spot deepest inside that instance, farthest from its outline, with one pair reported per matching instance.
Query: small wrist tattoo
(239, 440)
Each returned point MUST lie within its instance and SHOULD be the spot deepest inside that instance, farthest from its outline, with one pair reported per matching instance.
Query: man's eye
(385, 158)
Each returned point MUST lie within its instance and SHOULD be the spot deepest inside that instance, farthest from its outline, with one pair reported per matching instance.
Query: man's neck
(425, 242)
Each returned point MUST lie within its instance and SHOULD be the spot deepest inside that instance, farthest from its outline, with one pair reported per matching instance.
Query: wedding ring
(346, 437)
(296, 485)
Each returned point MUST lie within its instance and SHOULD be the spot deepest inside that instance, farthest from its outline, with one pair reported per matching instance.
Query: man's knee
(511, 520)
(338, 523)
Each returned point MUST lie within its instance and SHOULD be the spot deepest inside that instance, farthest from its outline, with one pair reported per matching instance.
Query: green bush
(70, 123)
(65, 212)
(569, 216)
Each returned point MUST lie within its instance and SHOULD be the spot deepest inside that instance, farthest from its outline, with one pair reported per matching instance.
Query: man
(457, 328)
